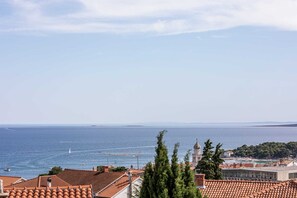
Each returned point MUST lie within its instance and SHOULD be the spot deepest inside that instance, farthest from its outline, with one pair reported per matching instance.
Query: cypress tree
(162, 168)
(190, 190)
(217, 160)
(175, 181)
(206, 165)
(147, 188)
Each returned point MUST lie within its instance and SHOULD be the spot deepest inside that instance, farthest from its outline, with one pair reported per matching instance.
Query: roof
(249, 189)
(116, 187)
(138, 172)
(197, 145)
(9, 180)
(41, 181)
(267, 169)
(54, 192)
(98, 180)
(286, 189)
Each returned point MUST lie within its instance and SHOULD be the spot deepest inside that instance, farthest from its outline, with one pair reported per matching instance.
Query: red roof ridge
(56, 176)
(21, 182)
(69, 169)
(265, 190)
(57, 187)
(11, 176)
(120, 184)
(111, 183)
(242, 181)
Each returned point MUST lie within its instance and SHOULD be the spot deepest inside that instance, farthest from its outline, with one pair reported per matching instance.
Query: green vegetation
(165, 180)
(267, 150)
(118, 169)
(209, 164)
(54, 171)
(112, 169)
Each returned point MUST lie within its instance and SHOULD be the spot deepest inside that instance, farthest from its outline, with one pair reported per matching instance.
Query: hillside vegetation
(267, 150)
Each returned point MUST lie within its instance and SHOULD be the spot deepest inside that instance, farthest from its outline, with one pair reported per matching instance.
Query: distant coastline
(280, 125)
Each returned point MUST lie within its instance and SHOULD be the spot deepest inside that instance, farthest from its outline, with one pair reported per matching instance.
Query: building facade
(197, 154)
(261, 173)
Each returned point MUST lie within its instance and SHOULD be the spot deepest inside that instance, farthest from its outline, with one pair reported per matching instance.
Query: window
(292, 175)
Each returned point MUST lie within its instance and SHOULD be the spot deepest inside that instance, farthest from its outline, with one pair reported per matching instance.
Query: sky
(147, 61)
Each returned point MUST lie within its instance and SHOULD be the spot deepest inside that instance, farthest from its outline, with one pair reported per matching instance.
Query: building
(274, 173)
(286, 163)
(10, 180)
(65, 192)
(197, 155)
(245, 189)
(104, 184)
(228, 154)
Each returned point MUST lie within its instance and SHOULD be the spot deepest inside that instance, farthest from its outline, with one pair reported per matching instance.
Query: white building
(197, 154)
(275, 173)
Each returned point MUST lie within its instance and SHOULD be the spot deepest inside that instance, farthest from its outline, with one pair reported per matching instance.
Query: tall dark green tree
(190, 190)
(175, 181)
(147, 188)
(161, 168)
(217, 160)
(206, 164)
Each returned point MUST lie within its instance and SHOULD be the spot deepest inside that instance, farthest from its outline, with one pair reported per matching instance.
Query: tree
(156, 180)
(217, 160)
(55, 170)
(162, 180)
(147, 188)
(175, 180)
(190, 190)
(206, 164)
(161, 168)
(119, 169)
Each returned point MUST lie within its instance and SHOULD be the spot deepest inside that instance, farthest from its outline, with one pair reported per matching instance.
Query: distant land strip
(279, 125)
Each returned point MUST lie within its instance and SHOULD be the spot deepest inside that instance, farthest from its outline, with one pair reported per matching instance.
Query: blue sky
(86, 61)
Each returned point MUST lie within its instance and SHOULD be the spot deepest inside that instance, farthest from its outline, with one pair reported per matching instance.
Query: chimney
(105, 169)
(130, 184)
(2, 194)
(200, 180)
(49, 182)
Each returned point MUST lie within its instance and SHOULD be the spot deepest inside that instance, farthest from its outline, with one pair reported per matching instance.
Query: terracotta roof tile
(249, 189)
(41, 181)
(116, 186)
(54, 192)
(9, 180)
(98, 180)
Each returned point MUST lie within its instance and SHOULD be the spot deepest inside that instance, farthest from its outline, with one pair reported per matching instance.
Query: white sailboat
(69, 151)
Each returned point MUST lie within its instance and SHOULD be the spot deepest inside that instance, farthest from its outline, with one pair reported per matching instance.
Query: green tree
(161, 168)
(55, 170)
(175, 180)
(190, 190)
(206, 165)
(217, 160)
(119, 169)
(147, 188)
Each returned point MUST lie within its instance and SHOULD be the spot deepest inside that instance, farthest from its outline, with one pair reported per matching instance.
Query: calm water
(31, 151)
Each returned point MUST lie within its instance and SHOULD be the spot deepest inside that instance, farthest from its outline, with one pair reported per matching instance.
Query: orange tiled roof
(54, 192)
(98, 180)
(136, 171)
(249, 189)
(287, 189)
(41, 181)
(116, 187)
(9, 180)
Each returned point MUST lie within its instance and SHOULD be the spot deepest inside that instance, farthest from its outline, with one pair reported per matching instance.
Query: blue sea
(30, 151)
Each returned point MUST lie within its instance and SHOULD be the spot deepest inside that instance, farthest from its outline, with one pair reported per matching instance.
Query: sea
(30, 151)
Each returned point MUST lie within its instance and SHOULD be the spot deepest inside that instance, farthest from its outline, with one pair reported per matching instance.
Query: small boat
(7, 169)
(69, 151)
